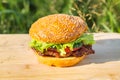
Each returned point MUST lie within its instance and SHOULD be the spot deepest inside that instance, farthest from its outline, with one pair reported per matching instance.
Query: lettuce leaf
(86, 39)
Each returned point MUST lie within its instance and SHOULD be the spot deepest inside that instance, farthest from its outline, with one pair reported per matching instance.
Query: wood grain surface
(18, 62)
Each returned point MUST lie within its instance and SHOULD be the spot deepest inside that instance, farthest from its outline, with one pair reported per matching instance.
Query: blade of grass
(106, 28)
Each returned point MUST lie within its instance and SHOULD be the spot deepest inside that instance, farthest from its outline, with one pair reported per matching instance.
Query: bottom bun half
(59, 62)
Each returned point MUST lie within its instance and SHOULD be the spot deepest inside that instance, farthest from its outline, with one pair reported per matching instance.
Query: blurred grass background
(16, 16)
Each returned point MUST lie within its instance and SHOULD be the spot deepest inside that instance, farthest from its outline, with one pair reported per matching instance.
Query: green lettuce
(86, 39)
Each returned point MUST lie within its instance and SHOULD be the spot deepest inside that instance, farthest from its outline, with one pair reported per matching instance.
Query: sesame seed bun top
(58, 28)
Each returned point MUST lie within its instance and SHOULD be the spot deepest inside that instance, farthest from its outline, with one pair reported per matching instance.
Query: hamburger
(60, 40)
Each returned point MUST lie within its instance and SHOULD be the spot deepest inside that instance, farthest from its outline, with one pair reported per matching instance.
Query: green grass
(16, 16)
(101, 15)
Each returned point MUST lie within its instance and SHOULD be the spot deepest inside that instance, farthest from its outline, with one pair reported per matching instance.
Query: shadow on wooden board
(105, 51)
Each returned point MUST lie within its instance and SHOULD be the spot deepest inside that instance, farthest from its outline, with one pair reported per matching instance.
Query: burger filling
(79, 47)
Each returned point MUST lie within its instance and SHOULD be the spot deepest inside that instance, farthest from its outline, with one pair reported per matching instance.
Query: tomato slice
(67, 50)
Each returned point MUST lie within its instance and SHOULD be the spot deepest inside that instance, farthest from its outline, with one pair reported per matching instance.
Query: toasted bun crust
(60, 62)
(57, 28)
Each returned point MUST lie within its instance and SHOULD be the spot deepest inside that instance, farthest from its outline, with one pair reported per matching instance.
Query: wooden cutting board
(18, 62)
